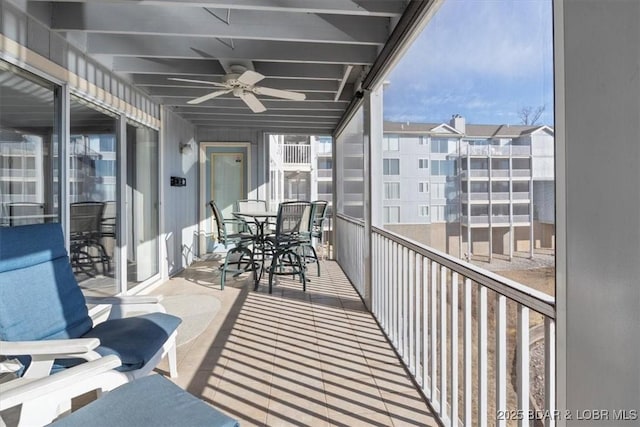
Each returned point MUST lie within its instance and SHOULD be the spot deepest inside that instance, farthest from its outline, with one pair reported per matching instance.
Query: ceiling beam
(270, 104)
(387, 8)
(270, 113)
(153, 81)
(212, 67)
(257, 50)
(115, 18)
(189, 93)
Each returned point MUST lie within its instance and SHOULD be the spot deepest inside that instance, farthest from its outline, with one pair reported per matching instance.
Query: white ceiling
(322, 48)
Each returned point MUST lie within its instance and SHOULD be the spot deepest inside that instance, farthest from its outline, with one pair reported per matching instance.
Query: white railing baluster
(426, 385)
(523, 361)
(433, 284)
(404, 278)
(501, 358)
(443, 341)
(468, 346)
(454, 349)
(411, 306)
(482, 357)
(549, 369)
(418, 324)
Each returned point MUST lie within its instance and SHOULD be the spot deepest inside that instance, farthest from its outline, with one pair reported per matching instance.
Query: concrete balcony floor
(293, 358)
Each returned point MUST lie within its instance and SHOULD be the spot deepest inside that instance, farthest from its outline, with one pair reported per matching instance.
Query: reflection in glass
(92, 197)
(28, 148)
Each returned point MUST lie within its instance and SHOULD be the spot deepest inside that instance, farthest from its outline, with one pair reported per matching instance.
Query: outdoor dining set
(280, 242)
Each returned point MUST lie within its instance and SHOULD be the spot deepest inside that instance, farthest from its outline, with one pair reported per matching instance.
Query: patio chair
(313, 233)
(292, 229)
(44, 321)
(240, 243)
(87, 250)
(149, 401)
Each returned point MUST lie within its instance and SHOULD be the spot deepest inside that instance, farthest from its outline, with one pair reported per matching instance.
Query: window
(391, 143)
(391, 214)
(423, 163)
(391, 166)
(439, 145)
(423, 210)
(443, 167)
(437, 190)
(423, 187)
(437, 213)
(422, 140)
(325, 163)
(105, 168)
(392, 190)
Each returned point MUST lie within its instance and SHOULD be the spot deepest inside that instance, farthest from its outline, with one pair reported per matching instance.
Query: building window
(391, 214)
(443, 167)
(391, 166)
(423, 210)
(423, 187)
(437, 213)
(325, 163)
(423, 163)
(391, 143)
(392, 190)
(439, 145)
(422, 140)
(437, 190)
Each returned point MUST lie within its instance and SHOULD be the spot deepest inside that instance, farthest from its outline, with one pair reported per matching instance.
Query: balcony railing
(435, 309)
(296, 154)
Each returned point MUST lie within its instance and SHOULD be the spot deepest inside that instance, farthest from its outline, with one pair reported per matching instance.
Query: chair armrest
(22, 390)
(123, 306)
(43, 353)
(52, 348)
(128, 299)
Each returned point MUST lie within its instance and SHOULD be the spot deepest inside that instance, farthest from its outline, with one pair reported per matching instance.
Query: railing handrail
(522, 294)
(356, 221)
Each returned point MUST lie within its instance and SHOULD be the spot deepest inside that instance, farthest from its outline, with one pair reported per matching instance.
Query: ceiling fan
(241, 83)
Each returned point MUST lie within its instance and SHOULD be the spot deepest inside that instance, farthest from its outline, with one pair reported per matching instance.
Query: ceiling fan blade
(277, 93)
(252, 102)
(250, 77)
(208, 96)
(197, 81)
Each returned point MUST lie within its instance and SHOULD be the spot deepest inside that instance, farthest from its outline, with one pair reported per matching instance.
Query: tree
(530, 116)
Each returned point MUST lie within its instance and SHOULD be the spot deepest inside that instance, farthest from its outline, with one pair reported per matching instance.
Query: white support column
(372, 140)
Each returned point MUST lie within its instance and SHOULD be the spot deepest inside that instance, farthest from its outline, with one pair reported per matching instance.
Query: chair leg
(224, 271)
(172, 358)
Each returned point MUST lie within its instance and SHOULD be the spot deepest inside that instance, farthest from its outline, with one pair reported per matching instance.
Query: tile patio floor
(294, 358)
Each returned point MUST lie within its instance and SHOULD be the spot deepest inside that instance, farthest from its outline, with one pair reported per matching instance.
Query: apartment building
(300, 168)
(470, 189)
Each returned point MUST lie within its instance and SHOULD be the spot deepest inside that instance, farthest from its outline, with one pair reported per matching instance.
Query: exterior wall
(69, 64)
(433, 235)
(180, 204)
(598, 121)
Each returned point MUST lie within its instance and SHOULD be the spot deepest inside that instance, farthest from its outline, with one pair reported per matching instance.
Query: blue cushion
(134, 339)
(29, 245)
(39, 295)
(149, 401)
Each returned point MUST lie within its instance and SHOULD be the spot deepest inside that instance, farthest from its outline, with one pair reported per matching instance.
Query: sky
(482, 59)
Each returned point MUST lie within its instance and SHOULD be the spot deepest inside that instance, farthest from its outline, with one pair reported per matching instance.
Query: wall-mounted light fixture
(186, 147)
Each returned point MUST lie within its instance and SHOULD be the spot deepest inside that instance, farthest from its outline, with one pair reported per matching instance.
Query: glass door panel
(142, 204)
